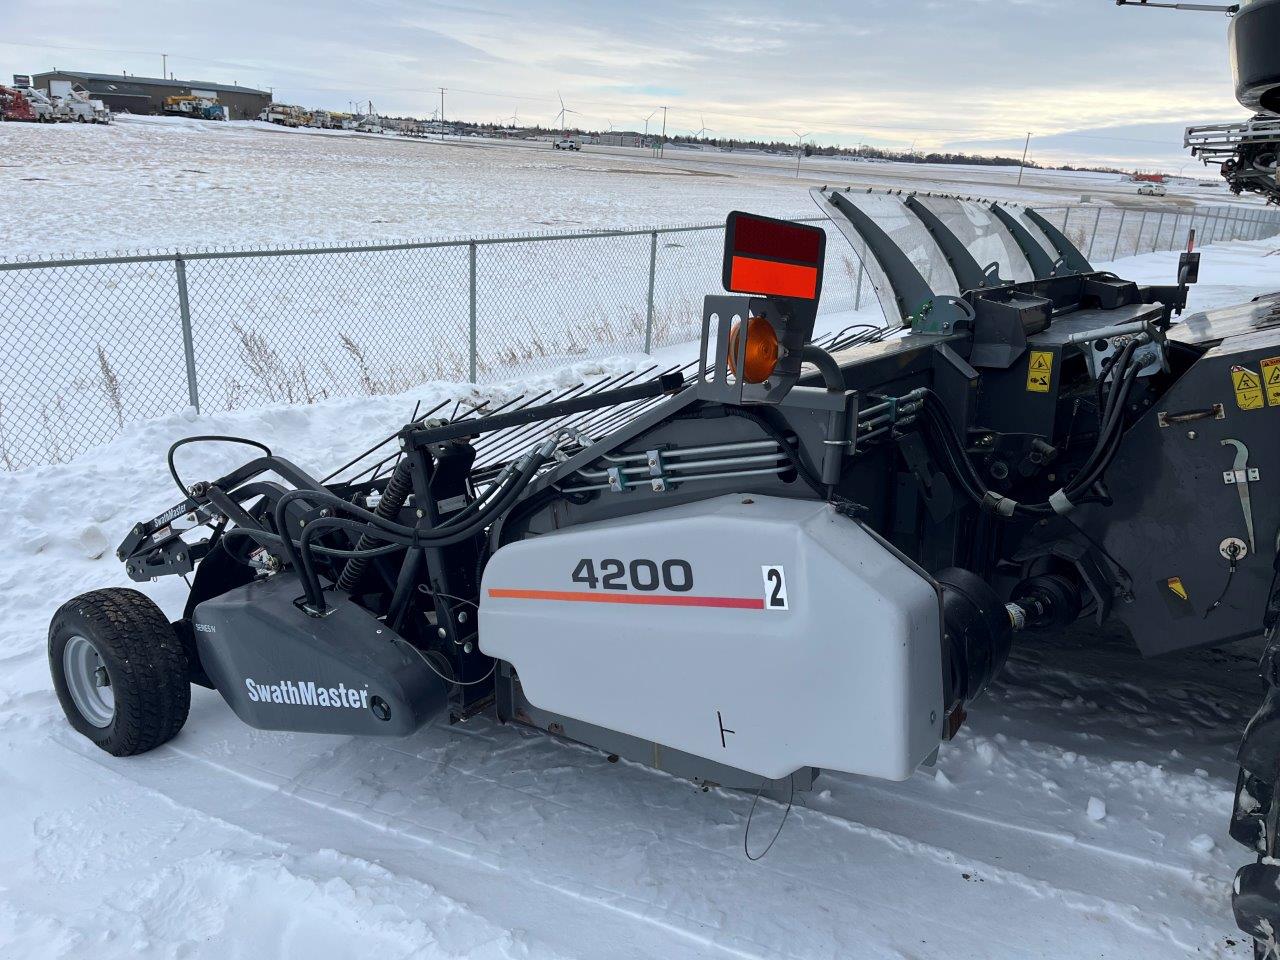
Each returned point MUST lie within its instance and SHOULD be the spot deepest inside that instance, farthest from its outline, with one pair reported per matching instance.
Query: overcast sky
(1091, 81)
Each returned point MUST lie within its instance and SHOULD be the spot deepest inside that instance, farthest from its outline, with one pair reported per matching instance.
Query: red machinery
(14, 105)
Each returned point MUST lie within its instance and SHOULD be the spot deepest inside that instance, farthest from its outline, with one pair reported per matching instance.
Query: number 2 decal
(775, 588)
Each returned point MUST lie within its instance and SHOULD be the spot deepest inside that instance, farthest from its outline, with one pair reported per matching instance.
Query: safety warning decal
(1039, 371)
(1248, 388)
(1271, 380)
(1177, 597)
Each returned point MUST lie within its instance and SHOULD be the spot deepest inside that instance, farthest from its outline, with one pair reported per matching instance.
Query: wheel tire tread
(152, 692)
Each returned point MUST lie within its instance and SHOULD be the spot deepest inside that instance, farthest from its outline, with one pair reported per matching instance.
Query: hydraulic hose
(467, 524)
(393, 499)
(1125, 374)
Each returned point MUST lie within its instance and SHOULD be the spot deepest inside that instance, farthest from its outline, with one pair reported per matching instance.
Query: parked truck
(190, 105)
(283, 114)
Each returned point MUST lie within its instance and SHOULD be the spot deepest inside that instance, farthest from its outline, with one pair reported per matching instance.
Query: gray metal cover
(842, 669)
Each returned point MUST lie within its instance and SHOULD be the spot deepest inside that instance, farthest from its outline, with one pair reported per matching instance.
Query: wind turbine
(799, 148)
(646, 122)
(563, 110)
(702, 129)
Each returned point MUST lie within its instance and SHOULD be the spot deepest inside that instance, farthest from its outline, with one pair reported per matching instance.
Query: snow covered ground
(1082, 812)
(148, 182)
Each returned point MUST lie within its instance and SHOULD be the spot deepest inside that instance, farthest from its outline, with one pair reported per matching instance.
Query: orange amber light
(762, 350)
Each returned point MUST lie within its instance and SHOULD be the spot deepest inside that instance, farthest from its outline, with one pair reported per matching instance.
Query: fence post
(188, 342)
(857, 294)
(1066, 215)
(1097, 220)
(1119, 233)
(1155, 244)
(1137, 244)
(473, 337)
(653, 272)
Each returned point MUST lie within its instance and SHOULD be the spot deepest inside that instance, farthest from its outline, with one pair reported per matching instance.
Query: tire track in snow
(688, 926)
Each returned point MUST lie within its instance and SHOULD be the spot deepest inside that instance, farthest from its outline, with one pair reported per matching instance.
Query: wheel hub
(88, 681)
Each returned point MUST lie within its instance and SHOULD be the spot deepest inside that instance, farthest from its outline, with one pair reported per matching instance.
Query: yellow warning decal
(1176, 586)
(1039, 371)
(1248, 388)
(1271, 380)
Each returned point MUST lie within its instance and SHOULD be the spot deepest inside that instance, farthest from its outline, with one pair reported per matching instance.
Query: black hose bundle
(393, 499)
(466, 524)
(1124, 374)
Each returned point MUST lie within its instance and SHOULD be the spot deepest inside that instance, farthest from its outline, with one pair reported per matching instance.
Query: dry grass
(110, 386)
(6, 453)
(273, 378)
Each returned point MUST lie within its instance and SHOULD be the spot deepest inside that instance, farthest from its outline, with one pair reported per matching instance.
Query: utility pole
(164, 66)
(663, 142)
(442, 114)
(1023, 165)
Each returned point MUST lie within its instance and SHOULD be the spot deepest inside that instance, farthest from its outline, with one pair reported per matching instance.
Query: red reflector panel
(773, 258)
(772, 279)
(776, 239)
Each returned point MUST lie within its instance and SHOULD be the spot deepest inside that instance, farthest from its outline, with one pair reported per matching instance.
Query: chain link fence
(95, 343)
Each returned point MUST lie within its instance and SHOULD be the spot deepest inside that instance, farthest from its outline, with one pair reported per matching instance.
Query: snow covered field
(1081, 814)
(148, 182)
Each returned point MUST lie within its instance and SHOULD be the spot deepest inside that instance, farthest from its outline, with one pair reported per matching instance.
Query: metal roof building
(127, 93)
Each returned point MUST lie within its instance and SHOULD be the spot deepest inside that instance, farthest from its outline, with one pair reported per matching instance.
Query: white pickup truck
(567, 143)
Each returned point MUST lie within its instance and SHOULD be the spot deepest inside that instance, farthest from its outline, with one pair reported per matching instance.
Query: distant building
(125, 93)
(621, 140)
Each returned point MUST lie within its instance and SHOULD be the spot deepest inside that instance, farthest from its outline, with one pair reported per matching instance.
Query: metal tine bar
(513, 440)
(469, 412)
(514, 444)
(486, 441)
(374, 469)
(490, 443)
(606, 420)
(379, 444)
(497, 409)
(544, 427)
(860, 340)
(623, 417)
(837, 341)
(594, 420)
(413, 418)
